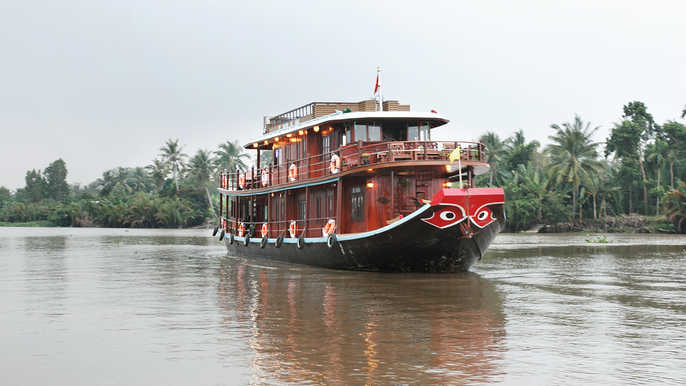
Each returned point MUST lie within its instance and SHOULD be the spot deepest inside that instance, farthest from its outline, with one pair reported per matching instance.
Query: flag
(456, 154)
(376, 87)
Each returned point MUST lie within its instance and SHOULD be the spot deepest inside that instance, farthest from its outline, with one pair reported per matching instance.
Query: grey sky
(103, 83)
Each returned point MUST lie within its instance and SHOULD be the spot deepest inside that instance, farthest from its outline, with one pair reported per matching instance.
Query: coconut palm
(158, 172)
(494, 153)
(573, 155)
(230, 156)
(200, 171)
(675, 207)
(518, 151)
(173, 157)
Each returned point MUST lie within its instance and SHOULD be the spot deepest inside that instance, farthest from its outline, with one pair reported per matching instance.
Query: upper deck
(319, 141)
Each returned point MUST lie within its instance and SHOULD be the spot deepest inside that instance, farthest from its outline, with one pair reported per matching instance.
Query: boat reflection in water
(313, 325)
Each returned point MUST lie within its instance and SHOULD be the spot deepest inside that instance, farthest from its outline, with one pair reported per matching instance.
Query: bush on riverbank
(616, 224)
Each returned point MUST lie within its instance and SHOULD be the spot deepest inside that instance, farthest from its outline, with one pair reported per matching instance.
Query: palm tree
(655, 153)
(676, 207)
(200, 170)
(494, 153)
(230, 156)
(573, 155)
(534, 183)
(158, 172)
(173, 158)
(518, 151)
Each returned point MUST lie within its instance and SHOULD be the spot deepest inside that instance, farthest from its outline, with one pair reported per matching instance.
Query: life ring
(241, 180)
(292, 228)
(241, 230)
(335, 164)
(265, 177)
(265, 230)
(329, 227)
(292, 173)
(263, 243)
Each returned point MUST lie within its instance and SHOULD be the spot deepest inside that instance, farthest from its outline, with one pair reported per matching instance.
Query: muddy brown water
(106, 306)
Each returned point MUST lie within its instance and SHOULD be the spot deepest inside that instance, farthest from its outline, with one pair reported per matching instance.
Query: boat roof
(295, 126)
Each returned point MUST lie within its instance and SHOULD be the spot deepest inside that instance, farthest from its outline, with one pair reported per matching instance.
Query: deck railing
(360, 154)
(311, 227)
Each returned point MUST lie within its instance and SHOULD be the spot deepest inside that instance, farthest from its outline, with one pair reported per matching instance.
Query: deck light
(276, 139)
(370, 170)
(255, 145)
(370, 185)
(316, 129)
(289, 135)
(266, 142)
(301, 132)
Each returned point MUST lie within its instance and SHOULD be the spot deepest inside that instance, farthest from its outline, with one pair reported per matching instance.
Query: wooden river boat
(360, 186)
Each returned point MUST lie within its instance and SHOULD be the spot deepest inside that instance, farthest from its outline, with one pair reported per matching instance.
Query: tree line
(172, 191)
(640, 169)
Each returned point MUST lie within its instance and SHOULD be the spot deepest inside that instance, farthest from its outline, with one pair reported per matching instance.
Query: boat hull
(409, 245)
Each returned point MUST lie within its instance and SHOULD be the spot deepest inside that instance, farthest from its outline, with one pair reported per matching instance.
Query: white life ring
(335, 164)
(329, 228)
(265, 177)
(293, 228)
(292, 173)
(241, 180)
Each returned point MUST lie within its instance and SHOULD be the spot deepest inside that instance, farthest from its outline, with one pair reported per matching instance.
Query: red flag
(376, 87)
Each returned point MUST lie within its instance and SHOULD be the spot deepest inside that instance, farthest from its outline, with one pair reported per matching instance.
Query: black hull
(410, 245)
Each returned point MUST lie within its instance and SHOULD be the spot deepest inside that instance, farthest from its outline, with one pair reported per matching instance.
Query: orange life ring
(335, 164)
(292, 228)
(241, 230)
(292, 172)
(329, 228)
(265, 230)
(265, 177)
(241, 180)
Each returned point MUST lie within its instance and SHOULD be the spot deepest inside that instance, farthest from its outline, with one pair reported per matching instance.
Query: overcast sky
(103, 84)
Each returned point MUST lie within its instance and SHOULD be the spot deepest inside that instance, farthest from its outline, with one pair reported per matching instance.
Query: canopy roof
(293, 128)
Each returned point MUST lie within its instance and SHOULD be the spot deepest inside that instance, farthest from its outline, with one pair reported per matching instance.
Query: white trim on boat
(340, 116)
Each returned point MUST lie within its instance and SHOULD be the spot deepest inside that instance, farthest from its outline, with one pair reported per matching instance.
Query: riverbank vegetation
(576, 182)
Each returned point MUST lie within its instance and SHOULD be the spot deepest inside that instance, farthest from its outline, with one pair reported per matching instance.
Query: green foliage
(230, 156)
(56, 181)
(675, 202)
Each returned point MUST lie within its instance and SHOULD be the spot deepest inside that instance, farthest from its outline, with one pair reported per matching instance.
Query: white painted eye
(448, 215)
(482, 215)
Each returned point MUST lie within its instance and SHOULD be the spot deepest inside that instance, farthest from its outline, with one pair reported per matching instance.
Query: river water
(141, 307)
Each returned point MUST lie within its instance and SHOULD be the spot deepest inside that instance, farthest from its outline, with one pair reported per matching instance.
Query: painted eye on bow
(448, 215)
(482, 215)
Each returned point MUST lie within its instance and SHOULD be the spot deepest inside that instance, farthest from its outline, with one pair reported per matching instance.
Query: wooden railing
(360, 154)
(311, 227)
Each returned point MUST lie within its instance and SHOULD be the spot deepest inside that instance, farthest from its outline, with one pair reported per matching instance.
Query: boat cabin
(343, 167)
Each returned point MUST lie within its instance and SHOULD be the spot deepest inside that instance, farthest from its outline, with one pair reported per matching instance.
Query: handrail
(358, 154)
(311, 227)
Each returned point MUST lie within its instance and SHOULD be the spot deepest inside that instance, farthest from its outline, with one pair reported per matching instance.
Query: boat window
(357, 200)
(413, 133)
(346, 139)
(374, 132)
(301, 209)
(360, 132)
(424, 132)
(326, 144)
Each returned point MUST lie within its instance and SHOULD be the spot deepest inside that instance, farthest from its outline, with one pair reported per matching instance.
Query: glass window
(374, 132)
(346, 138)
(357, 198)
(413, 133)
(360, 132)
(424, 132)
(301, 209)
(326, 144)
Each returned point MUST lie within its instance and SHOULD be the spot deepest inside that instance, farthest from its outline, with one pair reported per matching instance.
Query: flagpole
(380, 98)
